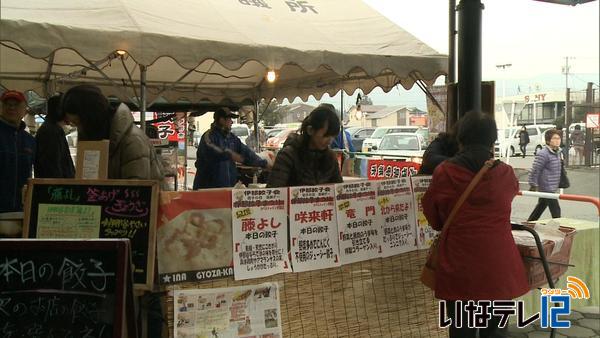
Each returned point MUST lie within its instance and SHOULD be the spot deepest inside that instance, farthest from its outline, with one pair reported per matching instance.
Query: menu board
(86, 209)
(395, 201)
(260, 235)
(425, 233)
(313, 228)
(359, 231)
(65, 288)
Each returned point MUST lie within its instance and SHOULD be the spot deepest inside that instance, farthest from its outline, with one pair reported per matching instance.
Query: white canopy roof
(209, 49)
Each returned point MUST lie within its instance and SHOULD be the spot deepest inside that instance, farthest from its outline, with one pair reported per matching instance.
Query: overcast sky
(535, 37)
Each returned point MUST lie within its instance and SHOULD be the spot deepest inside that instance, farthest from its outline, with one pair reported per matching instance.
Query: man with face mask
(218, 152)
(17, 150)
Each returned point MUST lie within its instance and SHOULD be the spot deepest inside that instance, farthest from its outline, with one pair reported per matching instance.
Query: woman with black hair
(306, 159)
(131, 156)
(477, 257)
(52, 156)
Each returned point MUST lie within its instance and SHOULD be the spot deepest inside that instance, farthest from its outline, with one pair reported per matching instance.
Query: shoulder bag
(428, 272)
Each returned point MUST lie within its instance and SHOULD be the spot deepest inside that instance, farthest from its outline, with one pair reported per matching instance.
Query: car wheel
(538, 148)
(512, 151)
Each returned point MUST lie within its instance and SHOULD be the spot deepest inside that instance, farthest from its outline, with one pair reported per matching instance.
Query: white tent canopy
(208, 49)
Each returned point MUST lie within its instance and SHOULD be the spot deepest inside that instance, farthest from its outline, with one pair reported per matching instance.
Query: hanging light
(271, 76)
(121, 52)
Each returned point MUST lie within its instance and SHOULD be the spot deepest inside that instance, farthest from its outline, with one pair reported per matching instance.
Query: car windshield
(273, 132)
(400, 142)
(239, 131)
(379, 132)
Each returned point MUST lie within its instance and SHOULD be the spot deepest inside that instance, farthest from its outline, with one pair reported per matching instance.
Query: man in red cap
(17, 150)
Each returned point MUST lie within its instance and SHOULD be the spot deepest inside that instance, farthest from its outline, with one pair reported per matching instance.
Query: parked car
(240, 130)
(358, 135)
(406, 145)
(272, 132)
(503, 142)
(380, 132)
(276, 142)
(536, 139)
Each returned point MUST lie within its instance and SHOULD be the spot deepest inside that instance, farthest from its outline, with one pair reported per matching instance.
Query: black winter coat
(296, 166)
(52, 158)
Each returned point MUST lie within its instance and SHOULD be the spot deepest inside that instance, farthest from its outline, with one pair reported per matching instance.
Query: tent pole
(469, 56)
(142, 98)
(255, 122)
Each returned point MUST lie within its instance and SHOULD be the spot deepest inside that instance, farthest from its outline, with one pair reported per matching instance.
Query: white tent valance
(209, 49)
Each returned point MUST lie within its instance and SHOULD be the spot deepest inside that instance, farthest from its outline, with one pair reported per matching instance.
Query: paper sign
(313, 228)
(395, 201)
(194, 236)
(259, 232)
(68, 221)
(384, 169)
(425, 233)
(91, 163)
(245, 311)
(359, 233)
(592, 120)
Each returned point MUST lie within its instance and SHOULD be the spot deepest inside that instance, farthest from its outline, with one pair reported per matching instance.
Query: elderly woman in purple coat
(545, 175)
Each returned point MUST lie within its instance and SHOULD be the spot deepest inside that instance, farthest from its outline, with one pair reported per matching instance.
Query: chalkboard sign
(67, 208)
(65, 288)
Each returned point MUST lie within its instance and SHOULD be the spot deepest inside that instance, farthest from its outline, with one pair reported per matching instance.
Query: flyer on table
(259, 232)
(395, 201)
(194, 236)
(359, 233)
(313, 228)
(236, 312)
(425, 233)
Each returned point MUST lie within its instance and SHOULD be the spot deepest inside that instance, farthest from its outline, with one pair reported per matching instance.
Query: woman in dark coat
(478, 259)
(306, 159)
(53, 158)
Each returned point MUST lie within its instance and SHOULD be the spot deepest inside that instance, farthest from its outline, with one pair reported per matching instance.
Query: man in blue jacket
(218, 152)
(17, 151)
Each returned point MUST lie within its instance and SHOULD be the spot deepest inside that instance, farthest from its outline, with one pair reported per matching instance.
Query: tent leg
(469, 56)
(143, 97)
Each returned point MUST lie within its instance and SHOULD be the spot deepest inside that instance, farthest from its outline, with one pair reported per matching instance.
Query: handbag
(428, 272)
(564, 180)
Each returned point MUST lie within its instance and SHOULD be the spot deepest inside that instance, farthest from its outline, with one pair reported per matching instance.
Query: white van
(536, 139)
(377, 136)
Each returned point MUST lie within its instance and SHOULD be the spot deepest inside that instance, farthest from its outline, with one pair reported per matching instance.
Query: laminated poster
(251, 311)
(313, 228)
(194, 236)
(425, 233)
(395, 201)
(359, 231)
(259, 232)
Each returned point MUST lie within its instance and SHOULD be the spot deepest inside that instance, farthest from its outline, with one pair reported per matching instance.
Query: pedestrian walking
(523, 140)
(545, 175)
(578, 142)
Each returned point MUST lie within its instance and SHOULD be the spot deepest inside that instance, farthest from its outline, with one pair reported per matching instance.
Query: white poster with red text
(259, 232)
(313, 228)
(359, 231)
(395, 201)
(425, 233)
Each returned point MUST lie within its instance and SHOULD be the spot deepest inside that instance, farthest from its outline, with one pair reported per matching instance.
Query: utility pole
(565, 71)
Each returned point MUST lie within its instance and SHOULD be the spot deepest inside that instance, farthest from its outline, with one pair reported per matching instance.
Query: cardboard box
(92, 160)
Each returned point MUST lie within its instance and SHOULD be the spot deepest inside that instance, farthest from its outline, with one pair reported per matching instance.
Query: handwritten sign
(313, 228)
(359, 233)
(65, 288)
(259, 232)
(67, 208)
(425, 233)
(395, 202)
(194, 236)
